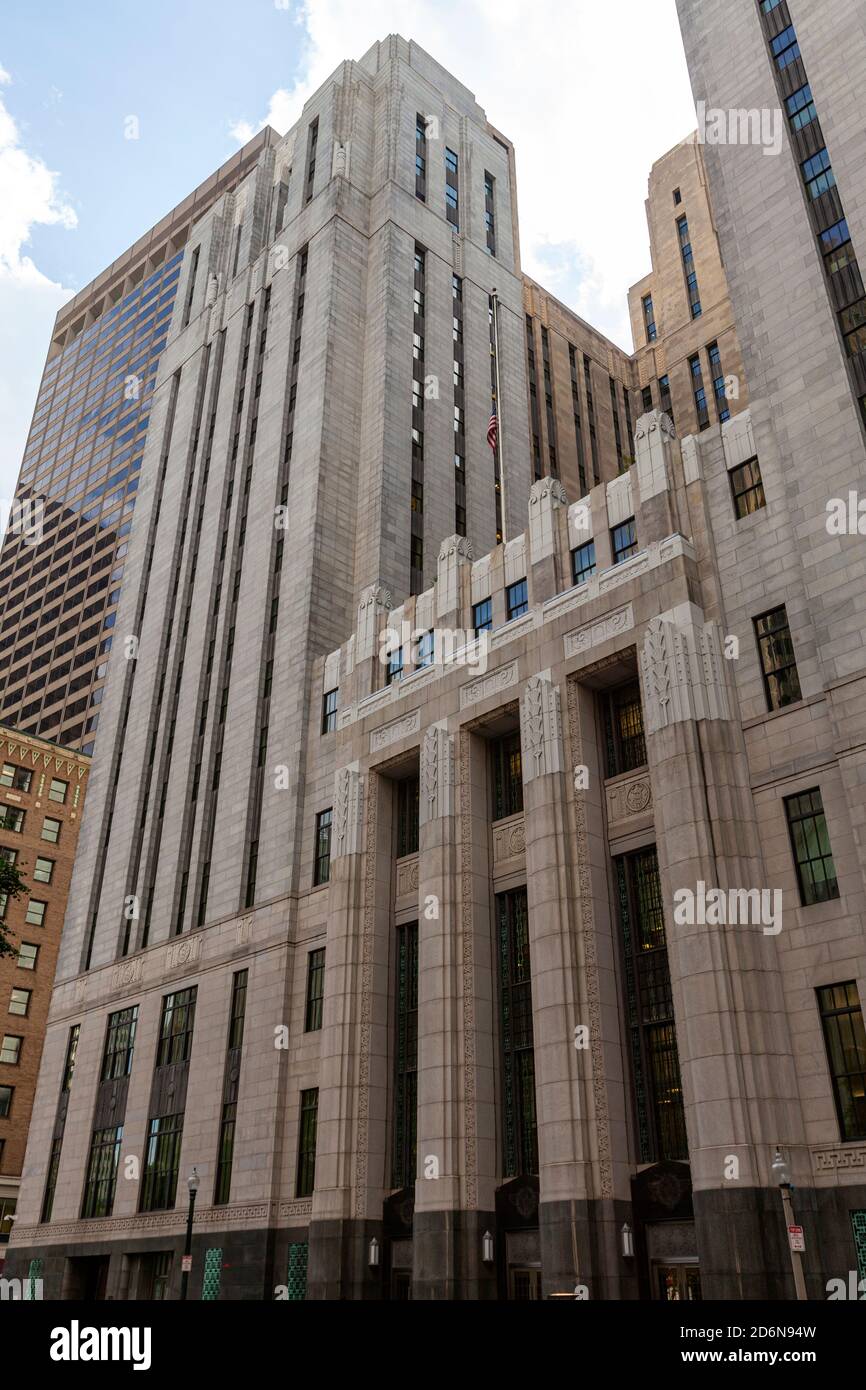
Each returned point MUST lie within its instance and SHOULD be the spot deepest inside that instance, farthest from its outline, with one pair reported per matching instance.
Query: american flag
(492, 430)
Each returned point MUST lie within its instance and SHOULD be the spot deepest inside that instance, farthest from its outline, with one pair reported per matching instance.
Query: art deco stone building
(373, 918)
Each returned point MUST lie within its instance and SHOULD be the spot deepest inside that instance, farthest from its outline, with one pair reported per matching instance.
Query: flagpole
(499, 436)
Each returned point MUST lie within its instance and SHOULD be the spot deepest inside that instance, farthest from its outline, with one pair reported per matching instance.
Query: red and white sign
(796, 1238)
(186, 1263)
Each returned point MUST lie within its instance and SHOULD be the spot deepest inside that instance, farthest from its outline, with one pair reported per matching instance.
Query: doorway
(678, 1282)
(524, 1283)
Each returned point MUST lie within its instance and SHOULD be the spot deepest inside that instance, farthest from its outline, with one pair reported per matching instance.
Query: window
(101, 1179)
(394, 668)
(306, 1176)
(315, 990)
(719, 386)
(646, 398)
(516, 600)
(19, 1001)
(747, 488)
(836, 246)
(452, 211)
(71, 1053)
(35, 915)
(27, 954)
(51, 830)
(322, 865)
(11, 819)
(6, 1094)
(175, 1033)
(768, 5)
(43, 869)
(785, 48)
(520, 1120)
(329, 710)
(818, 175)
(421, 157)
(408, 799)
(678, 197)
(689, 267)
(801, 108)
(10, 1050)
(624, 730)
(161, 1159)
(624, 541)
(853, 323)
(490, 211)
(778, 662)
(700, 394)
(810, 842)
(657, 1089)
(18, 778)
(425, 650)
(649, 319)
(119, 1044)
(404, 1152)
(665, 402)
(57, 790)
(583, 562)
(507, 776)
(312, 141)
(845, 1041)
(482, 615)
(225, 1154)
(238, 1009)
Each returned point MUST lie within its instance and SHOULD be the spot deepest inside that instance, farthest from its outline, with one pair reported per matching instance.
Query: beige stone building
(477, 918)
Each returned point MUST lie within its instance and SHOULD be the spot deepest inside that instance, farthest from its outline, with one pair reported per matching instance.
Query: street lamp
(782, 1173)
(192, 1184)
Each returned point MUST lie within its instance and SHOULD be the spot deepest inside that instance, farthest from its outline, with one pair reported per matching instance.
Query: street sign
(796, 1238)
(186, 1263)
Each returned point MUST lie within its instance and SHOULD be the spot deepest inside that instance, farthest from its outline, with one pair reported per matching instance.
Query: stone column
(548, 538)
(739, 1083)
(564, 1162)
(353, 1066)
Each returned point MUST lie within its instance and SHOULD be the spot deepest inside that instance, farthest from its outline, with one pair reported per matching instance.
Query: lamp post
(782, 1173)
(192, 1184)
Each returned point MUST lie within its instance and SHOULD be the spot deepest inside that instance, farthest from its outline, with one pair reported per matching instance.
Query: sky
(589, 94)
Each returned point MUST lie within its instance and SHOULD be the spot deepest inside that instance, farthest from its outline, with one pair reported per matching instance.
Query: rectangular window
(452, 211)
(51, 830)
(19, 1001)
(646, 399)
(747, 488)
(719, 385)
(810, 842)
(322, 865)
(175, 1032)
(689, 267)
(10, 1049)
(426, 650)
(624, 541)
(778, 662)
(516, 600)
(11, 819)
(57, 790)
(801, 108)
(657, 1088)
(18, 778)
(624, 730)
(583, 562)
(408, 800)
(312, 141)
(315, 990)
(237, 1016)
(406, 1058)
(225, 1154)
(306, 1176)
(43, 869)
(6, 1094)
(35, 915)
(394, 668)
(119, 1044)
(27, 956)
(482, 616)
(101, 1178)
(51, 1179)
(845, 1041)
(836, 247)
(490, 212)
(853, 324)
(649, 319)
(665, 402)
(71, 1053)
(329, 710)
(785, 48)
(507, 769)
(520, 1121)
(818, 175)
(161, 1162)
(421, 157)
(700, 394)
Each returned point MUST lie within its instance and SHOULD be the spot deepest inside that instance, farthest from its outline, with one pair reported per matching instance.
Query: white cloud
(590, 95)
(29, 300)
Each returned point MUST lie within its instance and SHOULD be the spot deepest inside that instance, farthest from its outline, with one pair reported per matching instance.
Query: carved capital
(540, 729)
(348, 812)
(437, 774)
(682, 670)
